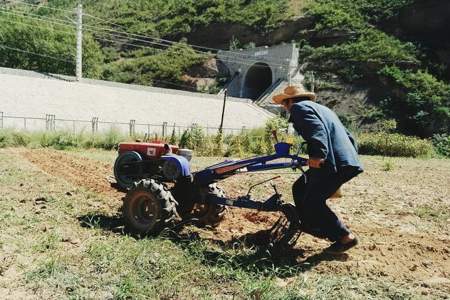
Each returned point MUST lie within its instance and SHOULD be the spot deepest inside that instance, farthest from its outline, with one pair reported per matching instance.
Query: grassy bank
(257, 141)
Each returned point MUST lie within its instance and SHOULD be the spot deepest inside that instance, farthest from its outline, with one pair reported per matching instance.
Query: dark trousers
(310, 199)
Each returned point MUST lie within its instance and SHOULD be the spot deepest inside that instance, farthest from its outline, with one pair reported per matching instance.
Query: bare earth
(402, 216)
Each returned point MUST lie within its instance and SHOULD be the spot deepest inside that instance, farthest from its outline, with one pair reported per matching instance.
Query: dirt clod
(40, 200)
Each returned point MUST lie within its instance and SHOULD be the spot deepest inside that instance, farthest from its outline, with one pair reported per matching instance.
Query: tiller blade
(286, 231)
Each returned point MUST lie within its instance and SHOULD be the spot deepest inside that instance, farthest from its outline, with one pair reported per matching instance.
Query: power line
(244, 60)
(138, 40)
(173, 42)
(129, 44)
(162, 50)
(71, 22)
(34, 53)
(230, 57)
(39, 6)
(34, 25)
(248, 62)
(66, 24)
(72, 63)
(118, 34)
(244, 56)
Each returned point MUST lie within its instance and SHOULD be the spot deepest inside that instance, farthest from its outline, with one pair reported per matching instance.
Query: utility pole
(79, 64)
(223, 110)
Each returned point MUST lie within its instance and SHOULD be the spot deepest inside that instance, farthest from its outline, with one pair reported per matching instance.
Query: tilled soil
(79, 171)
(395, 243)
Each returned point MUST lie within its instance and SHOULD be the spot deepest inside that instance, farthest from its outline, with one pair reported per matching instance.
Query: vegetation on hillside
(154, 67)
(397, 69)
(55, 47)
(405, 85)
(170, 18)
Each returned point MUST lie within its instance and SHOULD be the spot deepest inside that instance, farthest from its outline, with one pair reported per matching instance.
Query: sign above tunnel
(254, 72)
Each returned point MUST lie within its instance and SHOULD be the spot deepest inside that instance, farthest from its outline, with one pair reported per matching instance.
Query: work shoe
(339, 247)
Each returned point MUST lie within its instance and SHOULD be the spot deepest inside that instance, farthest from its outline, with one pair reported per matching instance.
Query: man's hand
(316, 162)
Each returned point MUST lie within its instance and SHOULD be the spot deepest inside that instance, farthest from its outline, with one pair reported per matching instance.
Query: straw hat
(292, 92)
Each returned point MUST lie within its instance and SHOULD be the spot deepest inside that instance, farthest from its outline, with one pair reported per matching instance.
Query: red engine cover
(146, 150)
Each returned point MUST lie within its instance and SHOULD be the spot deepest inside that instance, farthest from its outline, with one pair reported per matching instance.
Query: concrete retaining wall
(30, 94)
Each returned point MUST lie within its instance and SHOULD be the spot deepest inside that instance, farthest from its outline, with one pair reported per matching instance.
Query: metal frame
(260, 163)
(225, 169)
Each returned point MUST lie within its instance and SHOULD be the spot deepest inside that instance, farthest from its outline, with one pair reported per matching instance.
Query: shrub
(173, 137)
(59, 140)
(421, 102)
(441, 143)
(110, 140)
(218, 145)
(164, 68)
(184, 139)
(20, 139)
(5, 139)
(194, 138)
(235, 147)
(388, 144)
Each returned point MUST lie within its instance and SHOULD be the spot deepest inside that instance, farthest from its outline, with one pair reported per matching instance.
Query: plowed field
(402, 217)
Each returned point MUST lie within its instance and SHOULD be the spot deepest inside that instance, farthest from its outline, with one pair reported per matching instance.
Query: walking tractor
(145, 169)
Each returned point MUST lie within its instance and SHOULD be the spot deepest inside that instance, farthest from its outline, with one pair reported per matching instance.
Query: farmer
(333, 160)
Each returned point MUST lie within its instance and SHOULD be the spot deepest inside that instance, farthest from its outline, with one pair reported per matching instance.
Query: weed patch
(432, 213)
(393, 145)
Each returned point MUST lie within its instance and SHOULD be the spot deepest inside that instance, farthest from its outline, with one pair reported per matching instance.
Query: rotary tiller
(150, 205)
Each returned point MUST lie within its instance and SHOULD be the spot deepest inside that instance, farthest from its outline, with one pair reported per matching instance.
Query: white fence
(51, 123)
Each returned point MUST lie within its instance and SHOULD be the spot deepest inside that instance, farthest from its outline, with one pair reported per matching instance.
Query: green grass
(256, 141)
(388, 165)
(432, 213)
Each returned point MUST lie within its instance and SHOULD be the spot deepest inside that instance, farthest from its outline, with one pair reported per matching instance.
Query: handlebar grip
(303, 162)
(300, 162)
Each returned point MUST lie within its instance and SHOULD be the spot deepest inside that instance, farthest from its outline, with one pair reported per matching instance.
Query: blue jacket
(325, 135)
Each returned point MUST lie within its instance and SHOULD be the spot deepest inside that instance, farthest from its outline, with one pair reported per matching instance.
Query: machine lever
(259, 183)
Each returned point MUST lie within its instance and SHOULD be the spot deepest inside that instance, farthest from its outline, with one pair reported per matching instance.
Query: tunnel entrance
(257, 80)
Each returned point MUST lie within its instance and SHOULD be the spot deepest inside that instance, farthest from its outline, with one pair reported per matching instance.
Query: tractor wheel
(148, 207)
(124, 172)
(206, 214)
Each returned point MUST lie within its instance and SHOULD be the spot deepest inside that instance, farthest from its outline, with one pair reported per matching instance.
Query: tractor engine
(143, 160)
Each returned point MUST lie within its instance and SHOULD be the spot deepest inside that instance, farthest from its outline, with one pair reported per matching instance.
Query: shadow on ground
(248, 252)
(105, 222)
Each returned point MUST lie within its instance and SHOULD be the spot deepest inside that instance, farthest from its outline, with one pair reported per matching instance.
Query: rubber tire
(213, 213)
(125, 182)
(160, 198)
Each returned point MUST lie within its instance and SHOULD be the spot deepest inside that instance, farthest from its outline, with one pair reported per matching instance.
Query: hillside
(361, 56)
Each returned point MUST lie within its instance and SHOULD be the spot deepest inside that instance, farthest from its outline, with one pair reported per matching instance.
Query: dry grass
(296, 6)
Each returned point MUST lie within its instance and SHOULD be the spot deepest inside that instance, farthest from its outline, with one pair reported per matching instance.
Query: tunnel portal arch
(257, 80)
